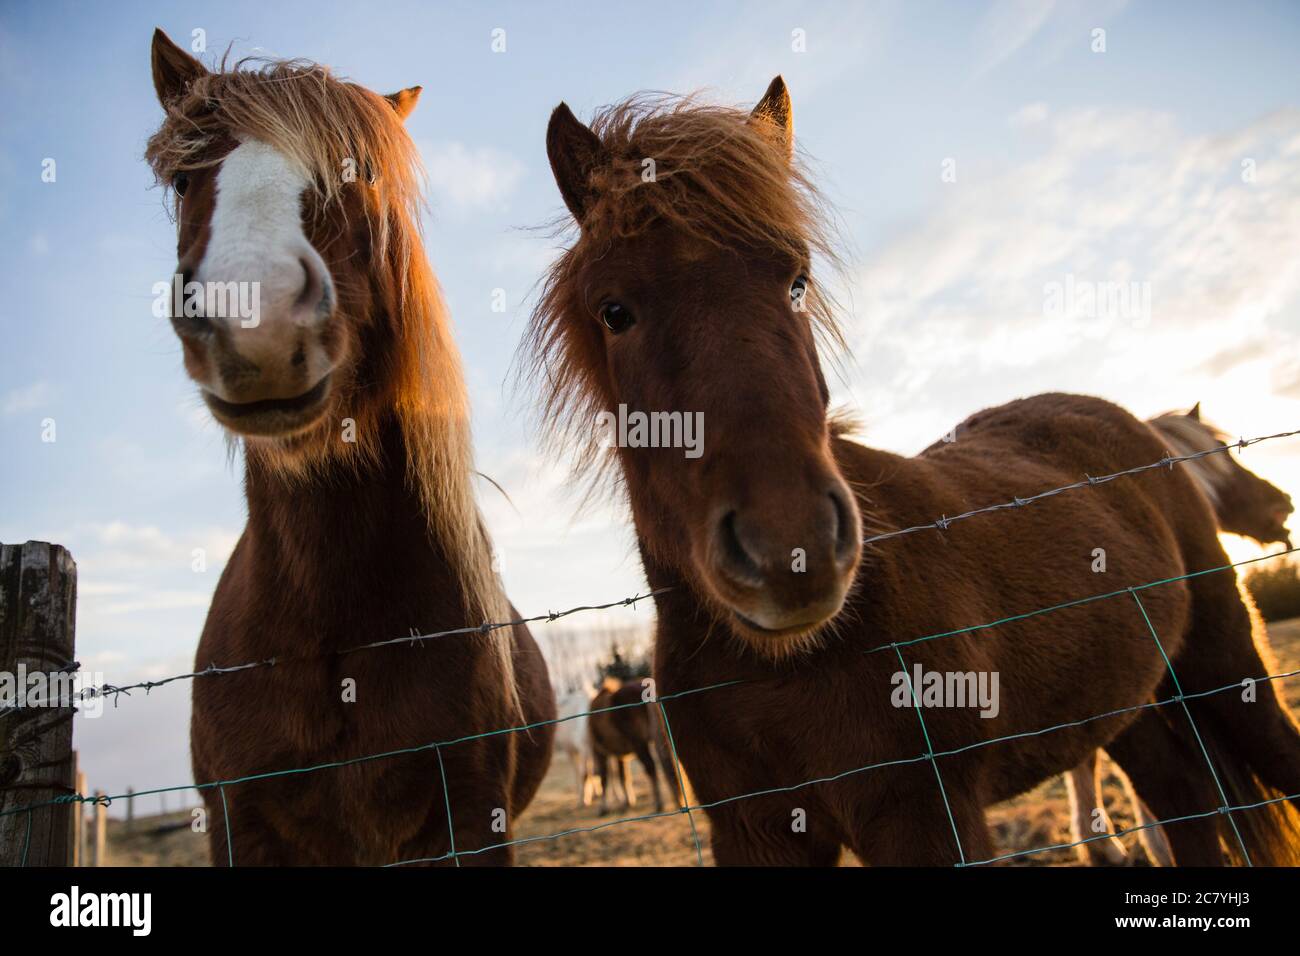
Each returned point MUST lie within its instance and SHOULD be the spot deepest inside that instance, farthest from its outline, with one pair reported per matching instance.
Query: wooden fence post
(101, 829)
(78, 815)
(38, 600)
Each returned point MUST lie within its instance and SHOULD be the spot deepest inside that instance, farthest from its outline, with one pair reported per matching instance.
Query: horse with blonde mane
(692, 291)
(1244, 504)
(344, 386)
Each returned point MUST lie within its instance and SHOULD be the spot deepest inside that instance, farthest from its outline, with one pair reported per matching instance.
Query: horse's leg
(587, 776)
(602, 766)
(1152, 835)
(913, 829)
(1221, 650)
(676, 786)
(625, 779)
(1171, 778)
(648, 764)
(763, 831)
(1242, 728)
(579, 772)
(254, 841)
(1085, 801)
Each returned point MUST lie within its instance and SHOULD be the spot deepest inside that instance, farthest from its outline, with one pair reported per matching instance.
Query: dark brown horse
(1244, 504)
(690, 290)
(623, 724)
(300, 193)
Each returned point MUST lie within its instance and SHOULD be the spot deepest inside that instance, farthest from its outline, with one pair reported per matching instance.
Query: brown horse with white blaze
(692, 291)
(344, 386)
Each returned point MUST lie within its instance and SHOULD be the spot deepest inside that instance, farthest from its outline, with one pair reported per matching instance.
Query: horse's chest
(349, 744)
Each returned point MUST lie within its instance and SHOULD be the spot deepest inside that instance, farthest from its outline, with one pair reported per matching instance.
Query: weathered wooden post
(38, 600)
(101, 829)
(130, 809)
(78, 815)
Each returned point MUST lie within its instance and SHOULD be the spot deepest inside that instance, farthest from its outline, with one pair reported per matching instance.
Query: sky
(990, 164)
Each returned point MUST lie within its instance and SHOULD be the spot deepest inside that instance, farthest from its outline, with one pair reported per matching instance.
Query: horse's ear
(404, 101)
(775, 116)
(173, 69)
(1195, 413)
(574, 151)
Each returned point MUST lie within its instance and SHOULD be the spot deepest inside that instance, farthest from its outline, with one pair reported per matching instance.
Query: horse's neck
(336, 532)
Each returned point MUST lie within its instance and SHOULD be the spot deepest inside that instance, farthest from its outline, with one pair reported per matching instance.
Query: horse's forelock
(328, 127)
(717, 179)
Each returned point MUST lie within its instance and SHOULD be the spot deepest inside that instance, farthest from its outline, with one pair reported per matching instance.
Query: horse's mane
(319, 122)
(1189, 435)
(718, 178)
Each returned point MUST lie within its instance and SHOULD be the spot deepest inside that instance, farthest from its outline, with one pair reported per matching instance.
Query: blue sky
(1123, 165)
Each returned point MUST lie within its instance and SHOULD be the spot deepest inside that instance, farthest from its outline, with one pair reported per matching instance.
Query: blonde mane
(323, 124)
(1187, 436)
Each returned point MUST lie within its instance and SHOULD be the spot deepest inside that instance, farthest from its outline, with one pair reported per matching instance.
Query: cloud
(466, 177)
(156, 600)
(1006, 27)
(1122, 196)
(109, 548)
(1047, 28)
(27, 398)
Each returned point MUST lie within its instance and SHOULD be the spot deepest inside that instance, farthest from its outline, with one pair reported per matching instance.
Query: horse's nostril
(314, 293)
(735, 557)
(183, 323)
(847, 532)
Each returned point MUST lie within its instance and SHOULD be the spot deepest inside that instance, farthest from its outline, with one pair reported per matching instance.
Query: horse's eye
(798, 289)
(180, 183)
(616, 318)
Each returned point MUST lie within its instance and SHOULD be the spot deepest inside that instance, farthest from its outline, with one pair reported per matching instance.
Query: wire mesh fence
(660, 701)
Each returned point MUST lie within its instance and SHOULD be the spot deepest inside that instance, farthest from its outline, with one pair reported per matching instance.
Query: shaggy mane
(320, 121)
(720, 179)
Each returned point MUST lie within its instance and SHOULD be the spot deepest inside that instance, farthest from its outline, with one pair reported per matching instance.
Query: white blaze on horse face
(256, 241)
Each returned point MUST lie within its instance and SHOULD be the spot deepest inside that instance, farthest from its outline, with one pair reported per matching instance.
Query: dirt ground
(572, 837)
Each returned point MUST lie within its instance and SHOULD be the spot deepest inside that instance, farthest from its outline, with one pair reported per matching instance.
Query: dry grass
(1036, 819)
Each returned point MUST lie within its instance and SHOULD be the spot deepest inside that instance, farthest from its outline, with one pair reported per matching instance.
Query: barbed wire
(929, 754)
(214, 670)
(944, 521)
(1168, 461)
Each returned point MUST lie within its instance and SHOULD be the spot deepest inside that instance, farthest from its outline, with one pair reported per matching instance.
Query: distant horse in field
(345, 388)
(573, 740)
(623, 725)
(1244, 504)
(692, 292)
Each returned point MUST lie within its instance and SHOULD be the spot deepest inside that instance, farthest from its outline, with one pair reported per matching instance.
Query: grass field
(1036, 819)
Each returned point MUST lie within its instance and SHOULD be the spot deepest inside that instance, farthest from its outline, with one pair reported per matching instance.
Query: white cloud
(1006, 27)
(27, 398)
(467, 177)
(1030, 114)
(156, 600)
(951, 317)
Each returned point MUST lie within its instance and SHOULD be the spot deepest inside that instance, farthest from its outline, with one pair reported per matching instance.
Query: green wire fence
(661, 700)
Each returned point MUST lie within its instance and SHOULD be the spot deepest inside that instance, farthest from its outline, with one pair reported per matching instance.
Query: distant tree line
(1276, 590)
